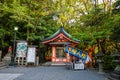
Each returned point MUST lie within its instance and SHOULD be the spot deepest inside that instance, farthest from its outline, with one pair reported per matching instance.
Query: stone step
(7, 59)
(3, 65)
(114, 75)
(58, 64)
(116, 72)
(54, 64)
(111, 78)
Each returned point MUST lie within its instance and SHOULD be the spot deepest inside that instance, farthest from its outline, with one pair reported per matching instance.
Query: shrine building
(57, 42)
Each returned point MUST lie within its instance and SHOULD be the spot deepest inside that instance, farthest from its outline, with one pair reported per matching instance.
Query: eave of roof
(61, 30)
(61, 43)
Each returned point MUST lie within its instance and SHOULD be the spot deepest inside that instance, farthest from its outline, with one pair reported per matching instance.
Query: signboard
(31, 54)
(21, 49)
(78, 66)
(77, 53)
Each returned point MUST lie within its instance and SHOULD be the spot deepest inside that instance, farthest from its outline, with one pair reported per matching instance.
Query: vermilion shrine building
(57, 42)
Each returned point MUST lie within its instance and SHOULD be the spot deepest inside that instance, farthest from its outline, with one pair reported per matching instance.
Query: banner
(21, 49)
(77, 53)
(31, 54)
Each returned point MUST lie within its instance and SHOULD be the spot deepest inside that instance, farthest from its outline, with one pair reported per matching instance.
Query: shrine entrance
(60, 54)
(57, 42)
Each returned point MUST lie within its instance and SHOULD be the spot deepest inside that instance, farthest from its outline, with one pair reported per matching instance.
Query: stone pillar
(37, 61)
(53, 53)
(100, 67)
(100, 62)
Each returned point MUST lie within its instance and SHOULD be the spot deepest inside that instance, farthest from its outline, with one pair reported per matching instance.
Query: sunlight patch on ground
(8, 76)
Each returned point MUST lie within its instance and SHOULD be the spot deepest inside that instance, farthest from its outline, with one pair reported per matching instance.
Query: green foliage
(115, 33)
(116, 25)
(116, 7)
(2, 33)
(116, 30)
(108, 62)
(34, 18)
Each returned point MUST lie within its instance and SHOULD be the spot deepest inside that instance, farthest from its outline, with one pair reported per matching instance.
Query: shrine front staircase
(3, 65)
(5, 61)
(114, 75)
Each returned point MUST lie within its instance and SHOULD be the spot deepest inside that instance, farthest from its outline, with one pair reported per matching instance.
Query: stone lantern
(100, 62)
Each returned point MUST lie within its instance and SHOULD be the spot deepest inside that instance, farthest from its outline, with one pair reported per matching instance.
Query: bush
(108, 62)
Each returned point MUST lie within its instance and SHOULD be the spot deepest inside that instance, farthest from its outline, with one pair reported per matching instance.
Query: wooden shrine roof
(60, 31)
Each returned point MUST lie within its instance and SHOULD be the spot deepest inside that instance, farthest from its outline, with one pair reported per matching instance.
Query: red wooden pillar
(53, 53)
(67, 57)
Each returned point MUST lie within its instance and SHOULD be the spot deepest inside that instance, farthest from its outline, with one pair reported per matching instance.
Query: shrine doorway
(60, 54)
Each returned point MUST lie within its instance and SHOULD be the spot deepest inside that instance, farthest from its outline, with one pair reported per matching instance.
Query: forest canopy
(90, 21)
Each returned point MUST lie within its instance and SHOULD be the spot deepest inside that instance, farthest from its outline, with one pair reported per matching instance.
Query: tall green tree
(38, 19)
(116, 30)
